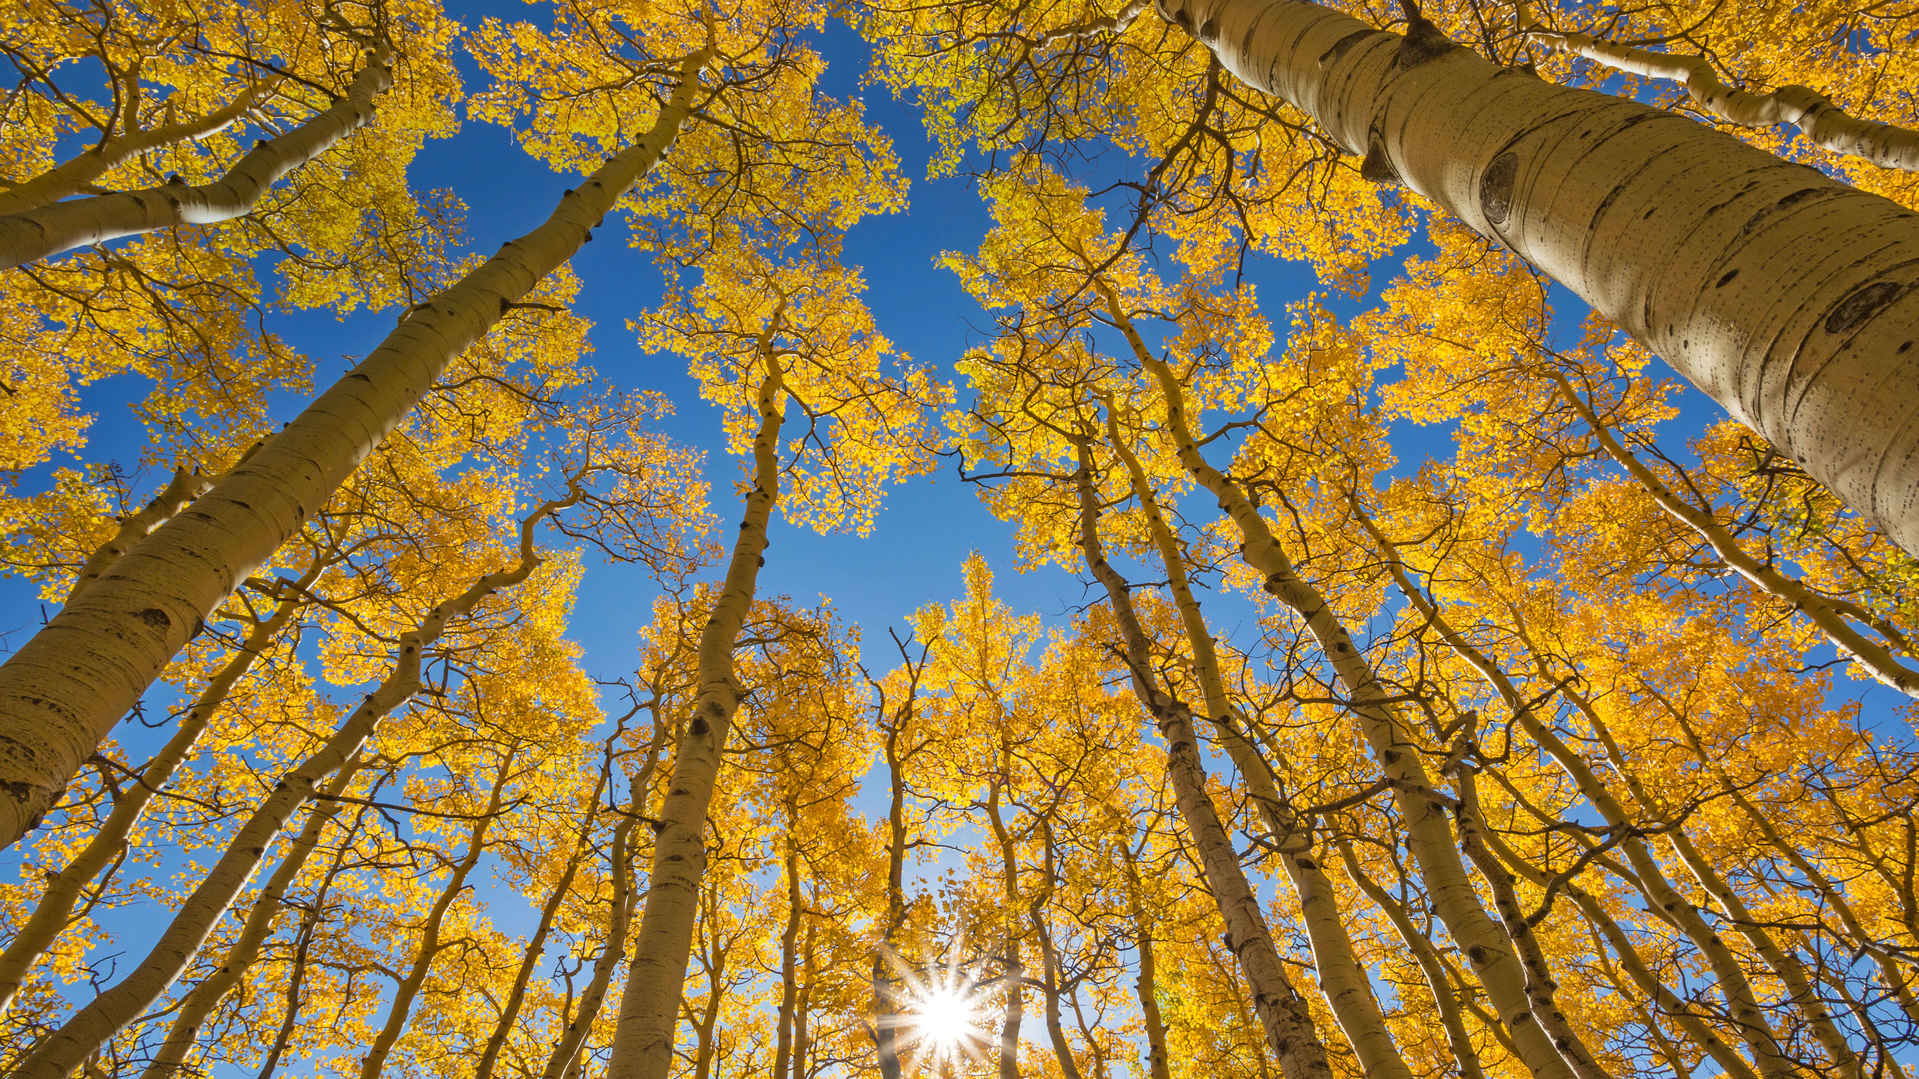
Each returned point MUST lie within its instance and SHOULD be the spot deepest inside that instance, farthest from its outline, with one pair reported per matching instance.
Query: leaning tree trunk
(650, 1007)
(63, 1051)
(63, 226)
(1281, 1011)
(1788, 297)
(71, 682)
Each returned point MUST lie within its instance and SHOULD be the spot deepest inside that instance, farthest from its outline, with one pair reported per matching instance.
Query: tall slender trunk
(549, 912)
(1439, 981)
(885, 983)
(204, 997)
(1050, 973)
(1342, 980)
(62, 226)
(650, 1006)
(400, 1008)
(1429, 833)
(108, 841)
(1012, 978)
(66, 687)
(1145, 982)
(1674, 907)
(1784, 295)
(789, 959)
(63, 1051)
(1282, 1015)
(566, 1050)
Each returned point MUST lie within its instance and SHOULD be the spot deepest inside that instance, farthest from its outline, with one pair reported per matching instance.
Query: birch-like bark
(60, 1053)
(1542, 989)
(51, 228)
(63, 226)
(1438, 981)
(66, 687)
(1667, 901)
(650, 1006)
(1429, 834)
(186, 485)
(1813, 113)
(1875, 656)
(55, 909)
(1282, 1015)
(200, 1002)
(1785, 296)
(886, 1018)
(1146, 983)
(1342, 980)
(566, 1051)
(400, 1008)
(73, 175)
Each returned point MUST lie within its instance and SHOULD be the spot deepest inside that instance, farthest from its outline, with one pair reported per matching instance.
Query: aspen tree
(63, 689)
(1737, 267)
(1289, 1030)
(61, 226)
(117, 1006)
(773, 335)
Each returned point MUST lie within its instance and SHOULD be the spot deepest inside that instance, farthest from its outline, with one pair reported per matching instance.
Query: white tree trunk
(1282, 1014)
(64, 1050)
(63, 226)
(650, 1006)
(71, 682)
(1784, 295)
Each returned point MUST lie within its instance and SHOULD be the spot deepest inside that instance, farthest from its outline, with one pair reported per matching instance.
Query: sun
(945, 1019)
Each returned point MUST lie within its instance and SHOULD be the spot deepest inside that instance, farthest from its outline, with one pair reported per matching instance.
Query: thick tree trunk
(1282, 1015)
(63, 1051)
(1784, 295)
(63, 226)
(66, 687)
(109, 840)
(650, 1006)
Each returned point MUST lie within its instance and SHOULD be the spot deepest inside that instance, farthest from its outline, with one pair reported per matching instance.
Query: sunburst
(940, 1016)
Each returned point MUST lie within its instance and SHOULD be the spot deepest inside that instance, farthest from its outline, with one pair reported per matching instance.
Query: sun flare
(945, 1018)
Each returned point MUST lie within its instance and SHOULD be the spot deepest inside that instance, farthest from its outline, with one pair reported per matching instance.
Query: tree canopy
(1062, 539)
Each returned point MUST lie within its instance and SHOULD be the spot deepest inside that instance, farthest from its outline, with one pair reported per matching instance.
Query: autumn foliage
(1382, 662)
